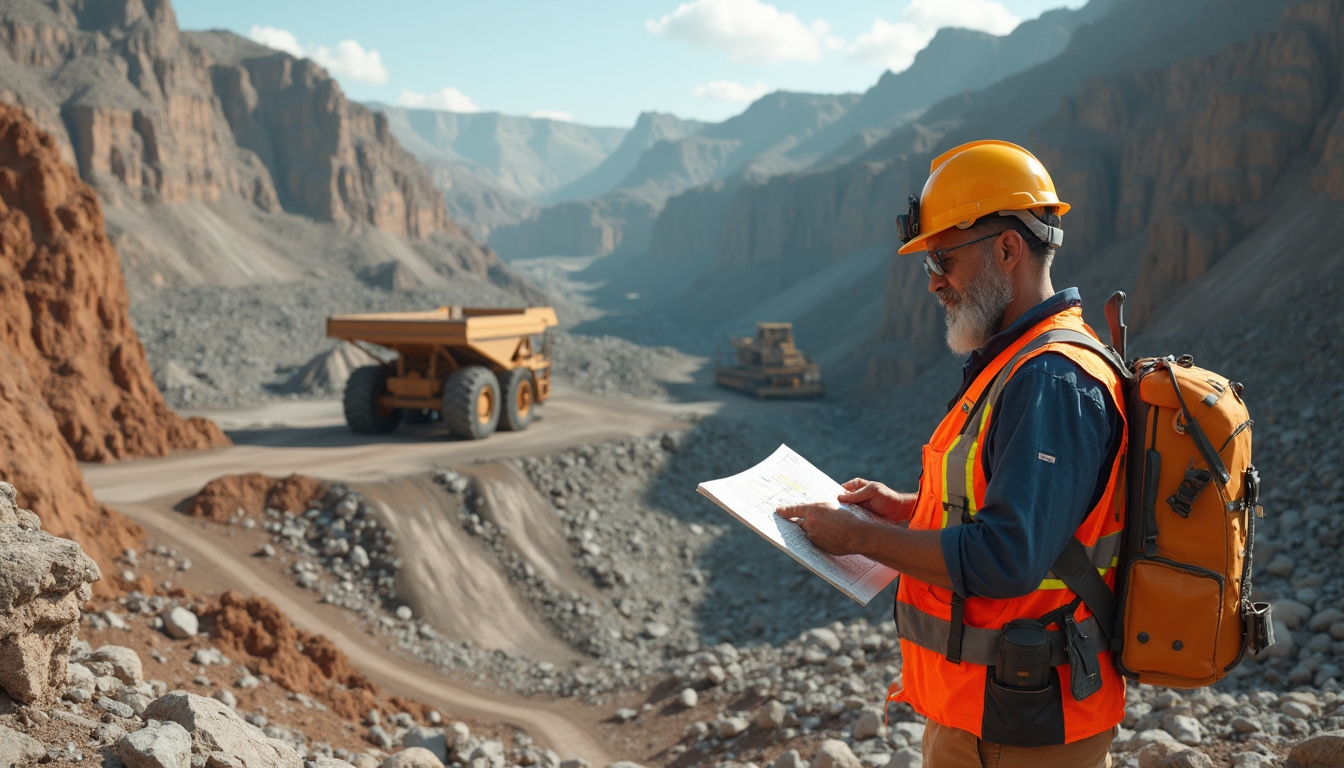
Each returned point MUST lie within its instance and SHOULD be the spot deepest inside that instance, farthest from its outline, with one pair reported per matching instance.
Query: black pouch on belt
(1024, 656)
(1084, 666)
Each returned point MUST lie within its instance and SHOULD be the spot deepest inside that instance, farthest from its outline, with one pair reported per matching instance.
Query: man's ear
(1013, 249)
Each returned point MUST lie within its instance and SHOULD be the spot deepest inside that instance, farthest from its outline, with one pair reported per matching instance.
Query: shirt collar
(1061, 301)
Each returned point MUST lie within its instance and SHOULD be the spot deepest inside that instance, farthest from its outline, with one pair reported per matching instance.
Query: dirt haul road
(311, 439)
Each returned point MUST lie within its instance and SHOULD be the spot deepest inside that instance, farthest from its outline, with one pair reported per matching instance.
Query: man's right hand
(878, 499)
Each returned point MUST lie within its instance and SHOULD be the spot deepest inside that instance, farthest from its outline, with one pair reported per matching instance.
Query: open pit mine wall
(183, 116)
(1182, 158)
(74, 383)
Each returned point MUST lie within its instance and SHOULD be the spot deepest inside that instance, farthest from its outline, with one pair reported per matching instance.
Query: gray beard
(974, 316)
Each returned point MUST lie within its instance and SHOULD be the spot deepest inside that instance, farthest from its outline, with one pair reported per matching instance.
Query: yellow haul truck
(476, 368)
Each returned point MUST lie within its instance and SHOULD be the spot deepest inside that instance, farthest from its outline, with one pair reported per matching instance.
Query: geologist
(1022, 479)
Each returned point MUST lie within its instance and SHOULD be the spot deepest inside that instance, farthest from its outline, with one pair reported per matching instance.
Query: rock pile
(613, 367)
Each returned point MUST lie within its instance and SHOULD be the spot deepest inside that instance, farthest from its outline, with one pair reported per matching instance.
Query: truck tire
(471, 402)
(361, 402)
(520, 402)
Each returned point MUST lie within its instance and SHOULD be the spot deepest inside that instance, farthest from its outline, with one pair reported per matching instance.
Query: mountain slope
(770, 127)
(1206, 135)
(650, 128)
(220, 161)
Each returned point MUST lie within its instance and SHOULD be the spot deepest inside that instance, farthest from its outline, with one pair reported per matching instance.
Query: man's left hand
(832, 530)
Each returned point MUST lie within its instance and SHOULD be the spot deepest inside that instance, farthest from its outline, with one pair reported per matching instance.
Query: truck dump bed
(494, 333)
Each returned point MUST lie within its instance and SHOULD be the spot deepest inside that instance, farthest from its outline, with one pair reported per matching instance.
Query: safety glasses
(933, 260)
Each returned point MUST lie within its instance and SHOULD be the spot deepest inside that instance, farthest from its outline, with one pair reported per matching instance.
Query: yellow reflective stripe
(943, 479)
(1058, 584)
(971, 506)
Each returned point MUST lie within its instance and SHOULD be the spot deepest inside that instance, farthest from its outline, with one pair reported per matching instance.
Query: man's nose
(937, 283)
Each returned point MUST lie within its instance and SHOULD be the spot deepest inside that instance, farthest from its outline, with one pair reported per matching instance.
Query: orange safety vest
(947, 675)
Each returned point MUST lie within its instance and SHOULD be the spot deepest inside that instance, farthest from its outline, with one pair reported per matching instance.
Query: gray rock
(379, 737)
(1291, 613)
(625, 714)
(1252, 760)
(1244, 725)
(688, 698)
(491, 751)
(1296, 710)
(125, 662)
(656, 630)
(577, 762)
(1324, 750)
(833, 753)
(771, 716)
(208, 656)
(19, 749)
(358, 557)
(138, 702)
(625, 764)
(216, 728)
(729, 727)
(1281, 565)
(414, 757)
(180, 623)
(157, 745)
(1323, 620)
(225, 696)
(44, 582)
(906, 757)
(715, 675)
(322, 761)
(1183, 728)
(433, 739)
(912, 732)
(823, 638)
(114, 707)
(869, 724)
(364, 760)
(790, 758)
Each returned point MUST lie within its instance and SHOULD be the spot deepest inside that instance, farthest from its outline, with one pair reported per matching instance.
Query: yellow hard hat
(977, 179)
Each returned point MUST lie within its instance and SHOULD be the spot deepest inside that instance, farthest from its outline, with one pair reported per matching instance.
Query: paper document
(784, 480)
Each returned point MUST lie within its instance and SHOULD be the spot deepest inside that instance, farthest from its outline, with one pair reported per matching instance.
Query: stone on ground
(1324, 750)
(414, 757)
(180, 623)
(869, 724)
(833, 753)
(157, 745)
(771, 716)
(432, 739)
(906, 757)
(19, 749)
(790, 758)
(688, 698)
(216, 728)
(125, 662)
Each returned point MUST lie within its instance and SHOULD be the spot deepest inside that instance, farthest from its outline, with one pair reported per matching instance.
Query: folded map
(784, 480)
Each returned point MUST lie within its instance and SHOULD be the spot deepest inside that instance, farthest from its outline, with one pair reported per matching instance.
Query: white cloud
(750, 31)
(279, 39)
(349, 60)
(552, 114)
(726, 90)
(894, 44)
(448, 99)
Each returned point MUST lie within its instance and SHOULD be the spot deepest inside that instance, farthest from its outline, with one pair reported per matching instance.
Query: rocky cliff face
(205, 148)
(76, 385)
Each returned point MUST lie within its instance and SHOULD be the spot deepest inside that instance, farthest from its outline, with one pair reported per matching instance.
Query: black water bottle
(1024, 656)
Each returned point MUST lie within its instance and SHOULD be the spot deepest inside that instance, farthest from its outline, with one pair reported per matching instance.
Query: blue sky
(602, 62)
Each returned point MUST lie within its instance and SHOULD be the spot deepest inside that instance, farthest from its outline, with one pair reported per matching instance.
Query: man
(1000, 656)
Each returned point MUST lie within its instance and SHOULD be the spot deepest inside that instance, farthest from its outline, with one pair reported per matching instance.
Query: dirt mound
(254, 492)
(253, 630)
(76, 384)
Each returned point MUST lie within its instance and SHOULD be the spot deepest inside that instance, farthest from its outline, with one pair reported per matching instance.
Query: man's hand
(878, 499)
(832, 530)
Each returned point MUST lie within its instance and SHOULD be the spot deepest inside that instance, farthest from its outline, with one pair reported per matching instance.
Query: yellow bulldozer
(769, 365)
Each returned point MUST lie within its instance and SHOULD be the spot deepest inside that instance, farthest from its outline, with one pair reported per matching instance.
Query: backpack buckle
(1190, 488)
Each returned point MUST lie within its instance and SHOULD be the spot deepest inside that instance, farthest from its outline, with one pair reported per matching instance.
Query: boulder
(688, 698)
(433, 739)
(771, 716)
(157, 745)
(869, 724)
(216, 728)
(906, 757)
(790, 758)
(180, 623)
(414, 757)
(125, 662)
(490, 752)
(365, 760)
(833, 753)
(1324, 750)
(44, 582)
(19, 749)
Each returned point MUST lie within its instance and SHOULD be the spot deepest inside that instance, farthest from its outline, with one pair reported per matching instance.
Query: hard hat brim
(917, 244)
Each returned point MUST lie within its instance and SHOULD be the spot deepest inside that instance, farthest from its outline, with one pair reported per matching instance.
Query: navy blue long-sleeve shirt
(1032, 505)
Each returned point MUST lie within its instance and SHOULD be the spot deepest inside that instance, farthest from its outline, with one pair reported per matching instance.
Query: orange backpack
(1181, 615)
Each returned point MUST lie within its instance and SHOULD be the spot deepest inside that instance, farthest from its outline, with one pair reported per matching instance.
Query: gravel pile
(228, 347)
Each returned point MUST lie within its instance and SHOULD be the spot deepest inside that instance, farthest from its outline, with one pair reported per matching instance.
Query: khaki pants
(946, 747)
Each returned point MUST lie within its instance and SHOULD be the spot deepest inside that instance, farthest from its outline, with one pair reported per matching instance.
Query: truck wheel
(471, 402)
(361, 402)
(519, 400)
